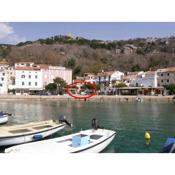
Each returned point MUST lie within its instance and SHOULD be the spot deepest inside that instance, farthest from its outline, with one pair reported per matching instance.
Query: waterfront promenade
(94, 98)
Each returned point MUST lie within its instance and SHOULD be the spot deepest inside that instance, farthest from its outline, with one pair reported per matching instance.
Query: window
(3, 74)
(22, 76)
(36, 83)
(2, 79)
(162, 81)
(1, 85)
(161, 75)
(29, 76)
(36, 76)
(29, 83)
(22, 83)
(167, 80)
(168, 74)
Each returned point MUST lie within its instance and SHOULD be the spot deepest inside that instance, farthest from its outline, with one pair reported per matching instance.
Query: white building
(106, 78)
(6, 74)
(90, 77)
(3, 81)
(146, 79)
(166, 76)
(130, 77)
(28, 77)
(62, 72)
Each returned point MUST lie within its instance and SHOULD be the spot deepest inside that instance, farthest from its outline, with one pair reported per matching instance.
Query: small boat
(23, 133)
(88, 141)
(139, 99)
(4, 116)
(169, 146)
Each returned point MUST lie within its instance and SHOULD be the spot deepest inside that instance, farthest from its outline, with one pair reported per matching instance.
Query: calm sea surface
(129, 119)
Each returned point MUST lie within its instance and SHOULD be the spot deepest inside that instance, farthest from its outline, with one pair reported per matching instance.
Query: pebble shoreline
(94, 98)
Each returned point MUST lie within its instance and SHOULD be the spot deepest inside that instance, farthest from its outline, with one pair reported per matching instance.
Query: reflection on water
(131, 120)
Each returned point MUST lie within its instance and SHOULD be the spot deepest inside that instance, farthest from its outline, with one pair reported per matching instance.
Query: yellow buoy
(147, 136)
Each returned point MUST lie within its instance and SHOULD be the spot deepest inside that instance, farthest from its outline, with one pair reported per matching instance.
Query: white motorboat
(4, 117)
(89, 141)
(23, 133)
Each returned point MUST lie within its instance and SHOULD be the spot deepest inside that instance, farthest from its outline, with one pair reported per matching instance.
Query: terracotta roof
(128, 77)
(27, 68)
(105, 73)
(169, 69)
(3, 62)
(43, 66)
(89, 73)
(25, 62)
(150, 72)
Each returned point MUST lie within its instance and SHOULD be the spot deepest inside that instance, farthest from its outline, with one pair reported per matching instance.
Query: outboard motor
(62, 119)
(94, 123)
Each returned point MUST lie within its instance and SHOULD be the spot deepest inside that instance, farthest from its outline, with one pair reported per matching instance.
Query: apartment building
(146, 79)
(30, 77)
(166, 76)
(6, 77)
(107, 78)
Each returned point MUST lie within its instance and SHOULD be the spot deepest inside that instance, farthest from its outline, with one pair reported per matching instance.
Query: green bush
(171, 89)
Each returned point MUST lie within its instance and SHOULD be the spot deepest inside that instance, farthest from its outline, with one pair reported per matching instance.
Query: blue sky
(13, 33)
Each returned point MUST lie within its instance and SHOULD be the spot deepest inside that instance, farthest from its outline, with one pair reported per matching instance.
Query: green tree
(135, 68)
(120, 85)
(97, 86)
(77, 70)
(51, 87)
(70, 63)
(87, 86)
(61, 85)
(171, 88)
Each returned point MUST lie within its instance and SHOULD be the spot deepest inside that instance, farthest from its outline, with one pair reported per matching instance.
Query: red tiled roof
(27, 68)
(105, 73)
(169, 69)
(43, 66)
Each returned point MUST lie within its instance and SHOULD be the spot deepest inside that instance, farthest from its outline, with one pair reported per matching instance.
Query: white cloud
(8, 35)
(15, 39)
(5, 30)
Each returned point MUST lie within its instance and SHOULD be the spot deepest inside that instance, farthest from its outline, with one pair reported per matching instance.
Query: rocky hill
(83, 55)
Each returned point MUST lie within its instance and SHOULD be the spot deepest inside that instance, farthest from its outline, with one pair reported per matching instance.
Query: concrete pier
(98, 98)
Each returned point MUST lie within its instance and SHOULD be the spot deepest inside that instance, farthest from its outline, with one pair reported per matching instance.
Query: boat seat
(42, 127)
(19, 131)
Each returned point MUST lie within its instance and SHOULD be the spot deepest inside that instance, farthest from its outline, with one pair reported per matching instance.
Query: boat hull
(97, 141)
(3, 120)
(97, 148)
(8, 141)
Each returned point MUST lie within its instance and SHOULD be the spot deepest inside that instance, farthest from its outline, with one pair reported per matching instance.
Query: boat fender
(147, 136)
(37, 136)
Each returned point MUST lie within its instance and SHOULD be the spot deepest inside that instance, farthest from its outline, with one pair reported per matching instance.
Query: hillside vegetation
(83, 55)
